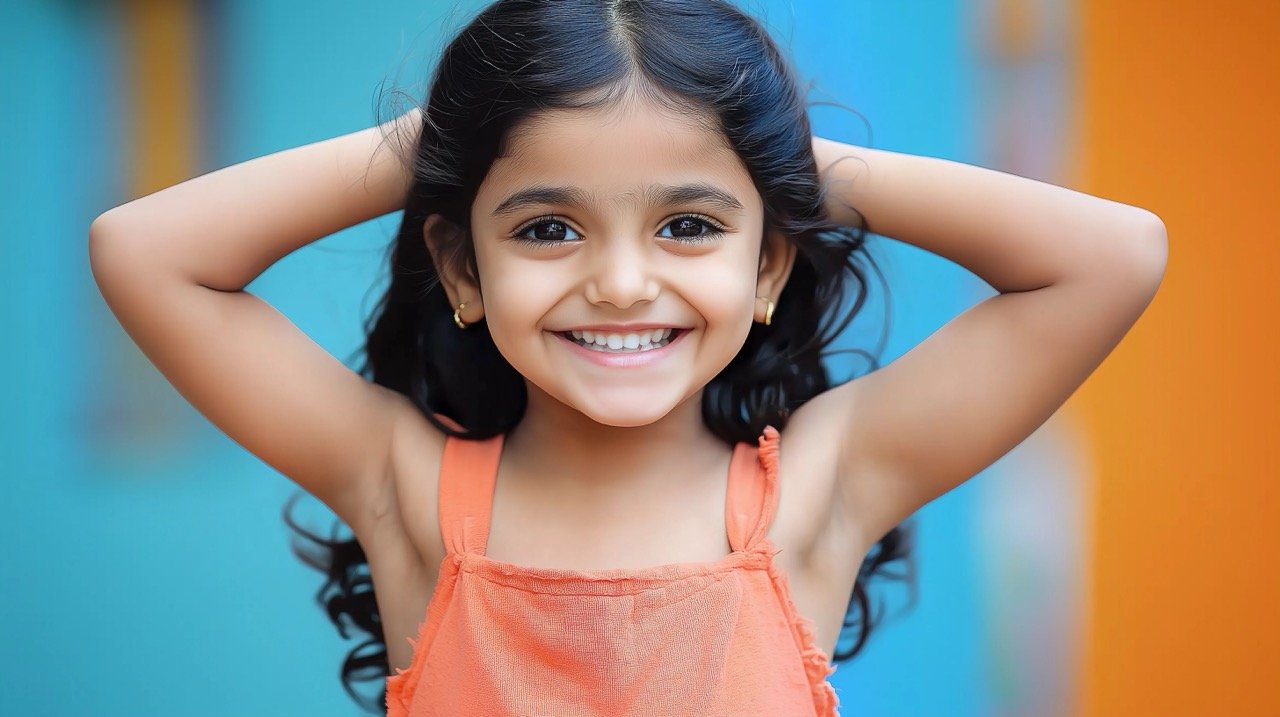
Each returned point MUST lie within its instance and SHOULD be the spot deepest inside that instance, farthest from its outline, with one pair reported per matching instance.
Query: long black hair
(519, 57)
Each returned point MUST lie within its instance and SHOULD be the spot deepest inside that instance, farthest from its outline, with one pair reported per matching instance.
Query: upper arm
(970, 392)
(256, 376)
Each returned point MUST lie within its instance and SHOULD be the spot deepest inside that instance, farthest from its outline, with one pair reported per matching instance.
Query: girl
(600, 468)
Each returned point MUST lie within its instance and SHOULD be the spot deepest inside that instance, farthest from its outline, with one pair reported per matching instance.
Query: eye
(694, 229)
(550, 230)
(545, 230)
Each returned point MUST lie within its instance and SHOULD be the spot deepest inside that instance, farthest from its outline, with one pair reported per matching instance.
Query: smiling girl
(594, 462)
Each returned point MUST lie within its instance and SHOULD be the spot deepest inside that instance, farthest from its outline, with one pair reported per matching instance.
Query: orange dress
(707, 638)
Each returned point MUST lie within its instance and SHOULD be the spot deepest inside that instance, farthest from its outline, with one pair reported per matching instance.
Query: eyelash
(715, 230)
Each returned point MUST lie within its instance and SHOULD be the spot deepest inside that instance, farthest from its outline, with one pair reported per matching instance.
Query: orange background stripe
(163, 75)
(1179, 107)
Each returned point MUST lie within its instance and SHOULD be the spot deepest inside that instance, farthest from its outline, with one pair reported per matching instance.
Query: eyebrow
(659, 194)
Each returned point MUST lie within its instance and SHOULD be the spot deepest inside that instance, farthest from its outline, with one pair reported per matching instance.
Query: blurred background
(1121, 561)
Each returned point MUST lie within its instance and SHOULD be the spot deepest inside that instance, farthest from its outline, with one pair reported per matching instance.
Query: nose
(620, 275)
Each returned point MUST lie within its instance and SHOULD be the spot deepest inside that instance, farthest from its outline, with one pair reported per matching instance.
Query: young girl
(600, 469)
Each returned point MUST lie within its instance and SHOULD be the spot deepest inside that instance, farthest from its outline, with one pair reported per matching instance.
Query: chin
(623, 419)
(623, 413)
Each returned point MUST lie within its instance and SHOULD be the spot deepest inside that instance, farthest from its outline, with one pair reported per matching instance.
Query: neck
(563, 446)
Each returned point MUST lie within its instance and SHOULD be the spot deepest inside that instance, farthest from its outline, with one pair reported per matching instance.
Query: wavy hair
(704, 58)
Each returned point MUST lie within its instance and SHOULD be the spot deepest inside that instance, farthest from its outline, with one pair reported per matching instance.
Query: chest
(817, 553)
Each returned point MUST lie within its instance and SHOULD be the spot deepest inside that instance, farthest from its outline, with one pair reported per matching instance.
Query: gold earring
(768, 311)
(457, 317)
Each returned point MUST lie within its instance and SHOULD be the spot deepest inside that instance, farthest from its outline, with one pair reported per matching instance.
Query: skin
(1074, 273)
(621, 260)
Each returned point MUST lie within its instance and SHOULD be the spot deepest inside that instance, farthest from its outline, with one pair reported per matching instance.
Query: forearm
(224, 228)
(1015, 233)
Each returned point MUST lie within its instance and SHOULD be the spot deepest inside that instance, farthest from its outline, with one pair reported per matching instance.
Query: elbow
(1155, 250)
(103, 230)
(97, 233)
(98, 241)
(106, 240)
(1148, 252)
(1156, 242)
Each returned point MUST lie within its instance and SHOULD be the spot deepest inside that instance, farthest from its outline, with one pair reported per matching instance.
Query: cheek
(721, 292)
(516, 303)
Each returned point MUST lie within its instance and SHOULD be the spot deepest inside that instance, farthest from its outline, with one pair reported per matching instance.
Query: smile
(622, 343)
(622, 350)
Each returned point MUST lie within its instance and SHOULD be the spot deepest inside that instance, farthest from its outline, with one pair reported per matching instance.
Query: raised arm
(173, 265)
(1074, 271)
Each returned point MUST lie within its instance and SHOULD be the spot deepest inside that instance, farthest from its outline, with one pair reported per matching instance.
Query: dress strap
(468, 473)
(753, 490)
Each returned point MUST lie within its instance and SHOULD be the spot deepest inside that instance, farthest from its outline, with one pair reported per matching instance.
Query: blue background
(148, 571)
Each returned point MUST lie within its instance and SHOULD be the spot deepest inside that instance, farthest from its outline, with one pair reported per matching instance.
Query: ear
(445, 243)
(777, 257)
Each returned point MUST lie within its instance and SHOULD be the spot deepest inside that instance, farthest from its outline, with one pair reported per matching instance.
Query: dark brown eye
(544, 231)
(686, 227)
(693, 229)
(550, 231)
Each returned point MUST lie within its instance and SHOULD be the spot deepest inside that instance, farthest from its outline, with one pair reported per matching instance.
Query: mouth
(617, 343)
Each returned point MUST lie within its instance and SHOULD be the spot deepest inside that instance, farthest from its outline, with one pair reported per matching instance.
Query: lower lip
(623, 360)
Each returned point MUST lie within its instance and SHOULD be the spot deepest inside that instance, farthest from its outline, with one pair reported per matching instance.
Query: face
(632, 227)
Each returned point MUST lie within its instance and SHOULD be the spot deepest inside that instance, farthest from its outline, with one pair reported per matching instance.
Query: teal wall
(148, 571)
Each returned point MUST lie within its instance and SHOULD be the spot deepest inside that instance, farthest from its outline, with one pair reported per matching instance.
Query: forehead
(614, 150)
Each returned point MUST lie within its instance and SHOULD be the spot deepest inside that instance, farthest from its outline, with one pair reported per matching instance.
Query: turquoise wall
(148, 569)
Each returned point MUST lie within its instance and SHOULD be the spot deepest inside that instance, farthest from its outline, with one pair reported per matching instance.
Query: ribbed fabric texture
(710, 638)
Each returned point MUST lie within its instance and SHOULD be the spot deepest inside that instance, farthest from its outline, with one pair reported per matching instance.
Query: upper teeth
(623, 341)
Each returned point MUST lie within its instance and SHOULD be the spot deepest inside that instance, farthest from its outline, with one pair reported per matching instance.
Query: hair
(517, 58)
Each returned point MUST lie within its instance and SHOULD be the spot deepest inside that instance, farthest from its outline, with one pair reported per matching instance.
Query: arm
(173, 265)
(1074, 273)
(222, 229)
